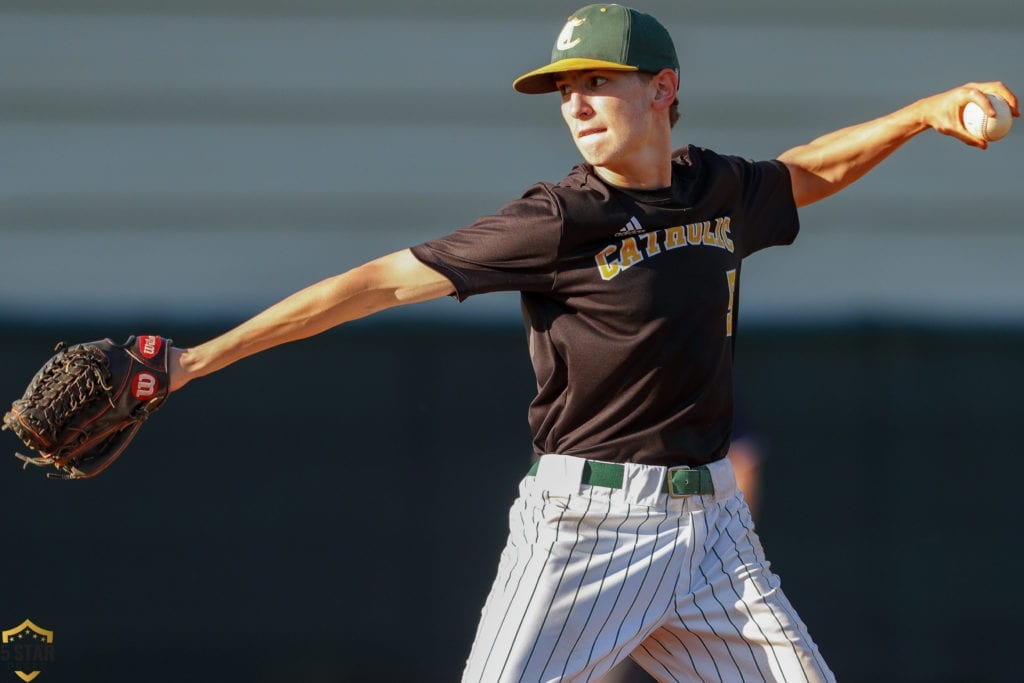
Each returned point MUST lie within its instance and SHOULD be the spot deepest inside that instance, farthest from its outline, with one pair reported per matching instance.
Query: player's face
(610, 116)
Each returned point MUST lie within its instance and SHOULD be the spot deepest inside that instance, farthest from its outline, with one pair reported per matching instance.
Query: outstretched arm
(393, 280)
(833, 161)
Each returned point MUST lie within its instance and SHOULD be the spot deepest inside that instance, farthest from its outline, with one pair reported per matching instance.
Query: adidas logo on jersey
(631, 228)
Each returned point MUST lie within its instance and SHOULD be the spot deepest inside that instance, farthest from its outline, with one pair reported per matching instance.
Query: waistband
(638, 482)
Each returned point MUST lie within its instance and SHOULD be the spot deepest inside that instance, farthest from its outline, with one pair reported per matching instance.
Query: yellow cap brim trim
(542, 80)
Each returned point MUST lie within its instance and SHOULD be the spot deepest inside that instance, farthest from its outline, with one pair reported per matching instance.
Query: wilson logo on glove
(144, 386)
(149, 346)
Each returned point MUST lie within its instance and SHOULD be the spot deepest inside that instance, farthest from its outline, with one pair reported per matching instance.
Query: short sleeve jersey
(630, 300)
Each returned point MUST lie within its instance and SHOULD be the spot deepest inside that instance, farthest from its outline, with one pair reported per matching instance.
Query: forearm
(387, 282)
(830, 163)
(310, 311)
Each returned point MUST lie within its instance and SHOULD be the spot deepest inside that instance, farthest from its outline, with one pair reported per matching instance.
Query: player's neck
(647, 168)
(640, 175)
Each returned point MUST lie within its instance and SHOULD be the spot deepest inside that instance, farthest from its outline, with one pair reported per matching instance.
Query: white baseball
(983, 126)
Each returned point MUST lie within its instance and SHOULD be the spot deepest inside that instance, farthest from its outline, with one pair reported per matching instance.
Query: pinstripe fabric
(590, 575)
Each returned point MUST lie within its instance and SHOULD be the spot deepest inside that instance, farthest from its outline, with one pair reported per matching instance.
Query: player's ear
(666, 84)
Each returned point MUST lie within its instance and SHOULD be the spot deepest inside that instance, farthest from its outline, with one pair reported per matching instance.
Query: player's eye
(564, 89)
(597, 81)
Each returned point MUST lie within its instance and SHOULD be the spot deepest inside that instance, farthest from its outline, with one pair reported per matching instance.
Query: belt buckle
(668, 476)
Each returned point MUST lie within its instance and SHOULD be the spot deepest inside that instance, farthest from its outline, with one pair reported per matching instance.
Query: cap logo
(565, 39)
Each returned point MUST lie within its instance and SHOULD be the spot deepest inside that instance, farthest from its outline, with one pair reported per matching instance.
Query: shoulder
(703, 162)
(579, 196)
(581, 183)
(702, 158)
(706, 168)
(694, 159)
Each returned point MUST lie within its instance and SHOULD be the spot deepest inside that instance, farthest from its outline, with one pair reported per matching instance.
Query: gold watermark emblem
(26, 646)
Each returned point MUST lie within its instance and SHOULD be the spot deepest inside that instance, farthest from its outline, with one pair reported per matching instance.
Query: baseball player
(628, 538)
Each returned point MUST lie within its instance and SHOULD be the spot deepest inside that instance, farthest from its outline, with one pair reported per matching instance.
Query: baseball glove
(86, 404)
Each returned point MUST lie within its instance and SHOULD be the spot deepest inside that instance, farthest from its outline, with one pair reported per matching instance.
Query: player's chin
(594, 149)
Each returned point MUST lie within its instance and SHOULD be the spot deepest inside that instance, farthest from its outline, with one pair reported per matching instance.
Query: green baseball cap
(604, 37)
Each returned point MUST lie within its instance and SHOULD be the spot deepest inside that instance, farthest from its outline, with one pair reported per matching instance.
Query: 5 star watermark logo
(25, 648)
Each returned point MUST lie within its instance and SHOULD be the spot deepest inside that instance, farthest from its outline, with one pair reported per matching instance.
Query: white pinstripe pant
(591, 575)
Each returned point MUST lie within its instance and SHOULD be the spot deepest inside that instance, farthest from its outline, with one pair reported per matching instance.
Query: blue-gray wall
(210, 157)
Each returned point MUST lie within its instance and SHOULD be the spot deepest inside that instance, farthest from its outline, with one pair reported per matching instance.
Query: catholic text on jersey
(629, 251)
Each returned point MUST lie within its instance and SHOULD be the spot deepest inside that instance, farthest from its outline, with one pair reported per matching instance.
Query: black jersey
(630, 300)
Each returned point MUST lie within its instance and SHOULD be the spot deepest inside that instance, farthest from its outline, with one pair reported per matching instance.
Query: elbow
(809, 186)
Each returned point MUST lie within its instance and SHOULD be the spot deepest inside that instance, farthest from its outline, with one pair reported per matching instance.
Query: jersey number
(730, 277)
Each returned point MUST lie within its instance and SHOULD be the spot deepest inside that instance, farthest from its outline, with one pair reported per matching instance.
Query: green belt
(679, 481)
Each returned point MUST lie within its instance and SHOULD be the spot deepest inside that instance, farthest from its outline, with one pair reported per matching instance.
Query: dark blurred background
(333, 510)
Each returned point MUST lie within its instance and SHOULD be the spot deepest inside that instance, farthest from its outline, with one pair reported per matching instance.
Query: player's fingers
(971, 140)
(999, 89)
(960, 132)
(975, 92)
